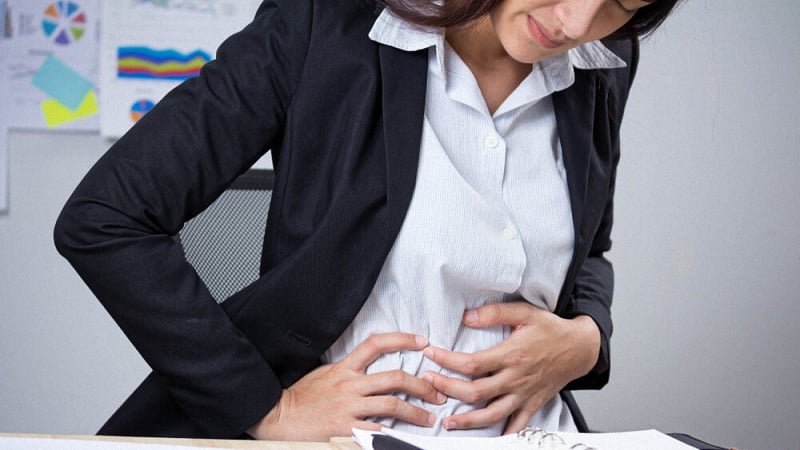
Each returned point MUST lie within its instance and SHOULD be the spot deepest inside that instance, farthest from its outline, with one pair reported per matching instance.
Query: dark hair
(454, 13)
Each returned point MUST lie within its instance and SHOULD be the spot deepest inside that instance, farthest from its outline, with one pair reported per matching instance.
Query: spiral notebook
(528, 439)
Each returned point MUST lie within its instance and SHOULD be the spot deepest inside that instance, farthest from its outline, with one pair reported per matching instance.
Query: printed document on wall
(3, 145)
(150, 46)
(50, 63)
(3, 168)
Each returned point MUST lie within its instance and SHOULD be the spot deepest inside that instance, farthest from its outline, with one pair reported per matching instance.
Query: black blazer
(343, 117)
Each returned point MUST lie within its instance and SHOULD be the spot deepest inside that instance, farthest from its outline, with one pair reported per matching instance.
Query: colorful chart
(152, 64)
(140, 108)
(64, 22)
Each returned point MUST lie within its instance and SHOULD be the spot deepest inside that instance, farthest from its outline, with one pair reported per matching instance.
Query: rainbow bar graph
(153, 64)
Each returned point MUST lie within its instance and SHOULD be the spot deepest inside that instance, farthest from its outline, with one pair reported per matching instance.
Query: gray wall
(707, 250)
(707, 232)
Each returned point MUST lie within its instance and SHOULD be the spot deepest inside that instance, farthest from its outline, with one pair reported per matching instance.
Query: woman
(433, 258)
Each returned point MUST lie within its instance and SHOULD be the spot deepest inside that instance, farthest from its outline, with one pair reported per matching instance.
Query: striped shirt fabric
(489, 221)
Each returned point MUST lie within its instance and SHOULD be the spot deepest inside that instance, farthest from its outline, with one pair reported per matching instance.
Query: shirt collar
(395, 32)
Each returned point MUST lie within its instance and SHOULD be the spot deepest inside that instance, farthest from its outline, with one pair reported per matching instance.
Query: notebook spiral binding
(545, 440)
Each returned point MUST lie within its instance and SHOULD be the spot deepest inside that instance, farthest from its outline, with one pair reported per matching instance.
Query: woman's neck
(495, 71)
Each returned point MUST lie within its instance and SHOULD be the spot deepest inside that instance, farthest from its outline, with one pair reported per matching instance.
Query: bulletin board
(98, 66)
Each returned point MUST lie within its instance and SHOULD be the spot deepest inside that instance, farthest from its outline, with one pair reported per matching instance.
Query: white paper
(147, 29)
(631, 440)
(628, 440)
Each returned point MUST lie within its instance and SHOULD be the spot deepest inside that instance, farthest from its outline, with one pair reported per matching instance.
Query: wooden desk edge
(338, 443)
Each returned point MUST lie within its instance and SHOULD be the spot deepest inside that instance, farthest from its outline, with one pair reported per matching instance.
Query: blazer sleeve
(116, 227)
(594, 284)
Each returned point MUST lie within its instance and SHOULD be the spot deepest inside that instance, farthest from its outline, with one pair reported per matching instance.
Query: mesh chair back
(224, 242)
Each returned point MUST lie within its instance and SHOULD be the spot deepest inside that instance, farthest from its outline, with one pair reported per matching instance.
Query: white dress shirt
(489, 221)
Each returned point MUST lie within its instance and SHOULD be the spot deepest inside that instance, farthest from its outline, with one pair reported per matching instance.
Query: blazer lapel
(574, 108)
(404, 76)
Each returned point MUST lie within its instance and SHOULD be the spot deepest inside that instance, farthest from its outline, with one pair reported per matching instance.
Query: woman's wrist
(265, 428)
(587, 342)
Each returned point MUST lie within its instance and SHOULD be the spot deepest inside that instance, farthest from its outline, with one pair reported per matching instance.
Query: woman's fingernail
(431, 419)
(421, 341)
(449, 425)
(441, 398)
(471, 316)
(429, 353)
(428, 377)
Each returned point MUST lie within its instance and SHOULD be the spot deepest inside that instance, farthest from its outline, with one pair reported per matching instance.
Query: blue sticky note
(62, 83)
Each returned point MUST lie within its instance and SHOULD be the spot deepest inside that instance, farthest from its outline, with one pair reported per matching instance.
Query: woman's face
(532, 30)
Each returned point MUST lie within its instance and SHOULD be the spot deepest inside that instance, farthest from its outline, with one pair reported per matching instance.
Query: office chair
(577, 415)
(224, 242)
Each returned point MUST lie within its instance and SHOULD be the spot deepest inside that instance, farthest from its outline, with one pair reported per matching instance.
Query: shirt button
(509, 233)
(491, 142)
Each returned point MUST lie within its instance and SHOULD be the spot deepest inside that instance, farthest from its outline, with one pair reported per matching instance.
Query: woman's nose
(577, 16)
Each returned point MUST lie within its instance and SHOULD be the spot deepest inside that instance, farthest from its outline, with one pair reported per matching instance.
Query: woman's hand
(334, 398)
(543, 354)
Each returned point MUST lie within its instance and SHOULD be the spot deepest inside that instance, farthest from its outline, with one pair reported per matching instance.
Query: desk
(344, 443)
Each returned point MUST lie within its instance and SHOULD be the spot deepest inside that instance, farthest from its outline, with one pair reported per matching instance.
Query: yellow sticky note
(56, 113)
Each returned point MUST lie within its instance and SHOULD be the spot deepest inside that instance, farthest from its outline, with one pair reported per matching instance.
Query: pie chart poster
(50, 63)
